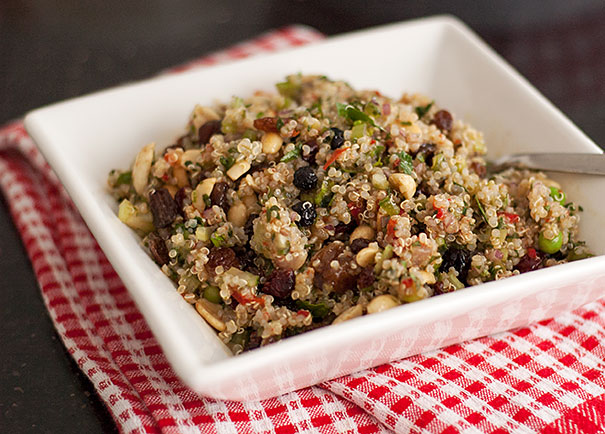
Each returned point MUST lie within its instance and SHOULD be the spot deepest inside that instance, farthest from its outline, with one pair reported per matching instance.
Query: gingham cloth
(548, 377)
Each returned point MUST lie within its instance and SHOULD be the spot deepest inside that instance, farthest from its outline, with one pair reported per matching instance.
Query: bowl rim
(188, 367)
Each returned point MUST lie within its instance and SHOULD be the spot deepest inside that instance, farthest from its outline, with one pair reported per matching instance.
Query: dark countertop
(52, 50)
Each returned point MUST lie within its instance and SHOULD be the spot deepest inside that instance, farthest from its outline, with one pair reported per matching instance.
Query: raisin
(266, 124)
(305, 178)
(366, 277)
(344, 228)
(221, 256)
(458, 258)
(208, 130)
(180, 142)
(443, 120)
(359, 243)
(341, 277)
(163, 207)
(313, 148)
(219, 195)
(479, 168)
(249, 226)
(157, 248)
(280, 283)
(246, 259)
(254, 340)
(427, 150)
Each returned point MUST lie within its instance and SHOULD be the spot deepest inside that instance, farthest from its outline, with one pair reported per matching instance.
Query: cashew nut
(141, 168)
(211, 313)
(350, 313)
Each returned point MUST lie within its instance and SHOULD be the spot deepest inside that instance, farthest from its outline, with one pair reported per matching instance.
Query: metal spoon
(591, 164)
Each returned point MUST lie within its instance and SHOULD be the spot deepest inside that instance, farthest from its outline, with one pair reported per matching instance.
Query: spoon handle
(591, 164)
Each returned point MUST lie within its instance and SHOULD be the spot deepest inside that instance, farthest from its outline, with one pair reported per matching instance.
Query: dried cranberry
(219, 195)
(530, 262)
(280, 283)
(443, 120)
(366, 277)
(157, 248)
(221, 256)
(359, 243)
(163, 207)
(439, 288)
(208, 130)
(183, 198)
(356, 209)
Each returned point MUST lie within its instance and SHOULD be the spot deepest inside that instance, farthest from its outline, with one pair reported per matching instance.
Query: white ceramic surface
(86, 137)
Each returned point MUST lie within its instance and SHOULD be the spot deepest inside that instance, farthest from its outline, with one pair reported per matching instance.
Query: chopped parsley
(405, 163)
(227, 161)
(292, 155)
(422, 110)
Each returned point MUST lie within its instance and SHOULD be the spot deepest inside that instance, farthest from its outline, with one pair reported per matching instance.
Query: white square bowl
(86, 137)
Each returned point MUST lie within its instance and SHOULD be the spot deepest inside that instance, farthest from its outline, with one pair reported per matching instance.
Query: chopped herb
(461, 186)
(353, 114)
(285, 250)
(279, 123)
(124, 178)
(422, 110)
(217, 240)
(317, 106)
(378, 150)
(270, 212)
(325, 195)
(371, 109)
(292, 155)
(318, 310)
(260, 115)
(249, 134)
(405, 163)
(406, 123)
(227, 161)
(291, 87)
(481, 210)
(206, 200)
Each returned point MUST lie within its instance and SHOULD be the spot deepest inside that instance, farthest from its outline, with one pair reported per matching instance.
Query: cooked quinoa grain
(284, 212)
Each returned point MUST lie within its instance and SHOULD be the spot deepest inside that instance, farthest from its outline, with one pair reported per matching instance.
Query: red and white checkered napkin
(545, 378)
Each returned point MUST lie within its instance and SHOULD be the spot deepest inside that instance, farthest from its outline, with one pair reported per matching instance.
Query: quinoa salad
(286, 211)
